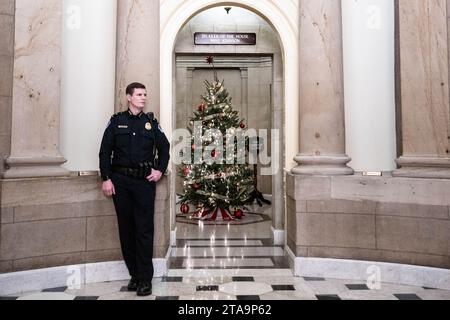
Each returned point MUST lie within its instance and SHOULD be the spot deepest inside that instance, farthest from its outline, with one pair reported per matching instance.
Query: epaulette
(120, 113)
(151, 117)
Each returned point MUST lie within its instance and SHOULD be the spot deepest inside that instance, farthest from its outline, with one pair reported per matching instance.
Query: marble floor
(235, 262)
(239, 284)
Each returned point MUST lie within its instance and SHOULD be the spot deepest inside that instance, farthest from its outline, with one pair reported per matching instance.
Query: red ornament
(238, 214)
(184, 208)
(202, 107)
(194, 147)
(186, 171)
(214, 153)
(196, 186)
(242, 125)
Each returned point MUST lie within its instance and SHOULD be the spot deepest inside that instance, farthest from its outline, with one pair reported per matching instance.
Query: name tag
(123, 127)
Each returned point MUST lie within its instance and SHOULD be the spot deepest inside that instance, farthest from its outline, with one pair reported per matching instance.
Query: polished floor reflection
(227, 254)
(244, 243)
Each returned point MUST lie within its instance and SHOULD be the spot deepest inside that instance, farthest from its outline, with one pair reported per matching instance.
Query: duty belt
(142, 172)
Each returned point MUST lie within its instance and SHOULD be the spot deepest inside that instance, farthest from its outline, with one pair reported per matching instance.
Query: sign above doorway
(224, 38)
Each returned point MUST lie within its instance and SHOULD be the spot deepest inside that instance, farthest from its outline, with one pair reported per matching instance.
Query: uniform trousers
(134, 202)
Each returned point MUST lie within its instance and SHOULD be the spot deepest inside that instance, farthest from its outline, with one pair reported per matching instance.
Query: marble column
(278, 185)
(369, 61)
(424, 89)
(138, 50)
(244, 93)
(322, 133)
(36, 91)
(6, 76)
(88, 81)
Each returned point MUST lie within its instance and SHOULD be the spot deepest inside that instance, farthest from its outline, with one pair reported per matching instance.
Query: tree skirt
(218, 214)
(250, 218)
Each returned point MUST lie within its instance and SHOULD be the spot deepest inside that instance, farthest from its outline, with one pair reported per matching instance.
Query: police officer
(134, 154)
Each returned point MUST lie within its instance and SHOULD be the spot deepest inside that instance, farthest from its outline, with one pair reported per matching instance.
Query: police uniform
(127, 155)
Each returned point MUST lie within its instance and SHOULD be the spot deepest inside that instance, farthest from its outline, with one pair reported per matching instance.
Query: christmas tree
(217, 180)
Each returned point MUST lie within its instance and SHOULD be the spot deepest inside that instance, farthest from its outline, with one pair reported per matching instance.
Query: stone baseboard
(70, 276)
(371, 271)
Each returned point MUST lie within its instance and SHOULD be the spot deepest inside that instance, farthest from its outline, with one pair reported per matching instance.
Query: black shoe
(144, 288)
(133, 284)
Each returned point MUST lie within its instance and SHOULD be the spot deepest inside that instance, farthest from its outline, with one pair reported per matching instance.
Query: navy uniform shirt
(129, 140)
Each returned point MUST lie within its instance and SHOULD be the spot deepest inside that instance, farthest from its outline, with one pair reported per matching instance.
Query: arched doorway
(284, 20)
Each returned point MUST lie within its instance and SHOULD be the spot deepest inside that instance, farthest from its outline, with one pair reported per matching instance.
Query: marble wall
(6, 76)
(372, 219)
(52, 222)
(138, 51)
(322, 117)
(321, 83)
(424, 88)
(424, 44)
(35, 132)
(37, 61)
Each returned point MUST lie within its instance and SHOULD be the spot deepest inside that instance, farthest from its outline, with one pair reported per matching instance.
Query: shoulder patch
(114, 116)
